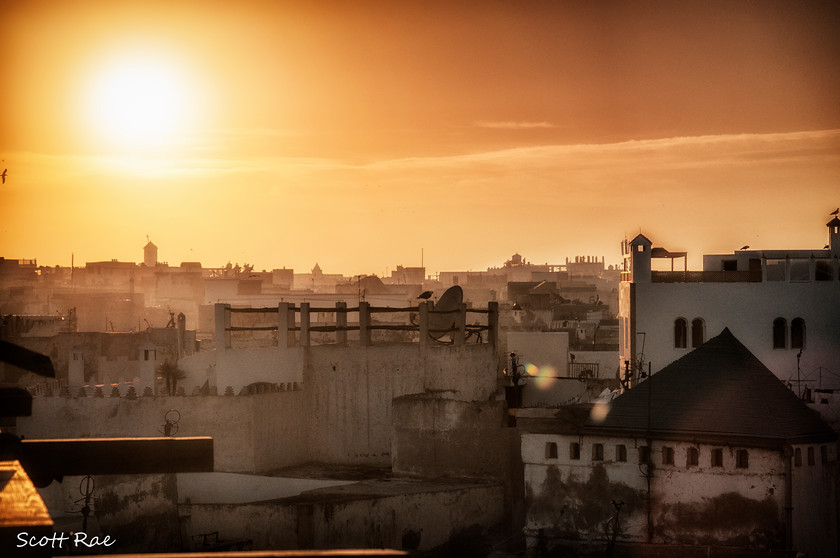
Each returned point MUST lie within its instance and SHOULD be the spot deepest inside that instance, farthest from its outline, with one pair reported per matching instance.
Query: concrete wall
(571, 499)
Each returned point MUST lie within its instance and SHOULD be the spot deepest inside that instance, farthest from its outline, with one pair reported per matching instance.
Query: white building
(711, 452)
(784, 305)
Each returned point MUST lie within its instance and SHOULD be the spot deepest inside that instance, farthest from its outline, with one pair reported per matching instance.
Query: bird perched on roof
(426, 295)
(4, 175)
(835, 212)
(745, 247)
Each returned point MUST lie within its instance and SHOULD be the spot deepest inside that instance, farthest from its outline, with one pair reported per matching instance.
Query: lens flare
(599, 411)
(543, 377)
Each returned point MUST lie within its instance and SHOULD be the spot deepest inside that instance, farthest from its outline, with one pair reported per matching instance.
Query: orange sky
(357, 134)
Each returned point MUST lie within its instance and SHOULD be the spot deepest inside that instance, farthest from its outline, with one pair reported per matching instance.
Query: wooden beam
(47, 459)
(23, 358)
(15, 402)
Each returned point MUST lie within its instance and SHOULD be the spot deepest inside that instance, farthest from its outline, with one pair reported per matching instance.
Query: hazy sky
(355, 134)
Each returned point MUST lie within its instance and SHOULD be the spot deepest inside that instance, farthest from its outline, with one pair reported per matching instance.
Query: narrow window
(823, 454)
(698, 335)
(680, 333)
(692, 457)
(797, 457)
(779, 333)
(797, 333)
(717, 457)
(742, 459)
(667, 456)
(574, 450)
(644, 454)
(597, 452)
(550, 450)
(621, 452)
(811, 459)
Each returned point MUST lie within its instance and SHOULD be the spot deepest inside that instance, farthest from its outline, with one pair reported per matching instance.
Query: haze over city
(359, 135)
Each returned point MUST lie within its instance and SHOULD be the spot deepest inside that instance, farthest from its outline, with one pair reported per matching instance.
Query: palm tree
(171, 374)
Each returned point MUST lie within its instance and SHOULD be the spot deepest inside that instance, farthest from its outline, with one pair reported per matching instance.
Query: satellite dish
(443, 316)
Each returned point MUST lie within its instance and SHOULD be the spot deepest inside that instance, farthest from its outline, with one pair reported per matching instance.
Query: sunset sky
(356, 134)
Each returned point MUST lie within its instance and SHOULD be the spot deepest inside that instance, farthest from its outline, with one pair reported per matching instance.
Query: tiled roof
(719, 389)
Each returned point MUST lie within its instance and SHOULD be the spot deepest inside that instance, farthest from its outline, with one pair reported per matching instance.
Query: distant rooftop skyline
(358, 135)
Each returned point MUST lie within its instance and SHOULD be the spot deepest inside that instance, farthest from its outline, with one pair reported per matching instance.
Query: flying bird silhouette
(4, 175)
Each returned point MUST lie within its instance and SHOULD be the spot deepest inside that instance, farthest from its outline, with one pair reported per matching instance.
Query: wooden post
(424, 325)
(285, 323)
(493, 322)
(341, 322)
(460, 333)
(222, 323)
(364, 324)
(304, 324)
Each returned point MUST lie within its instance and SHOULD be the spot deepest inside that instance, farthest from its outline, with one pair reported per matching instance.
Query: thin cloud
(511, 125)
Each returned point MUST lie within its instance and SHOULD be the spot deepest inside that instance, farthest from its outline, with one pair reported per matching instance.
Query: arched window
(698, 332)
(779, 333)
(680, 333)
(797, 333)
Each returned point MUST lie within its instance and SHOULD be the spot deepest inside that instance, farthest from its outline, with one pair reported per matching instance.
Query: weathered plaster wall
(250, 433)
(413, 519)
(342, 415)
(139, 513)
(571, 498)
(350, 390)
(815, 499)
(239, 367)
(444, 437)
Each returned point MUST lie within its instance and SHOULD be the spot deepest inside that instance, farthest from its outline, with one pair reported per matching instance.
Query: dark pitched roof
(718, 390)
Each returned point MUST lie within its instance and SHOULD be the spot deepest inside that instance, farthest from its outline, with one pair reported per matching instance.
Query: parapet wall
(350, 392)
(243, 427)
(340, 413)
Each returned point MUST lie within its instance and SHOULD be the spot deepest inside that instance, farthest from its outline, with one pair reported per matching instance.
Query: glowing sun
(139, 102)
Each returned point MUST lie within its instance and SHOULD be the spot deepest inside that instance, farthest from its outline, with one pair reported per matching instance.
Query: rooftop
(720, 390)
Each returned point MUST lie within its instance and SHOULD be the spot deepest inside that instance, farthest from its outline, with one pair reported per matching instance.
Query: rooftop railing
(706, 276)
(294, 325)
